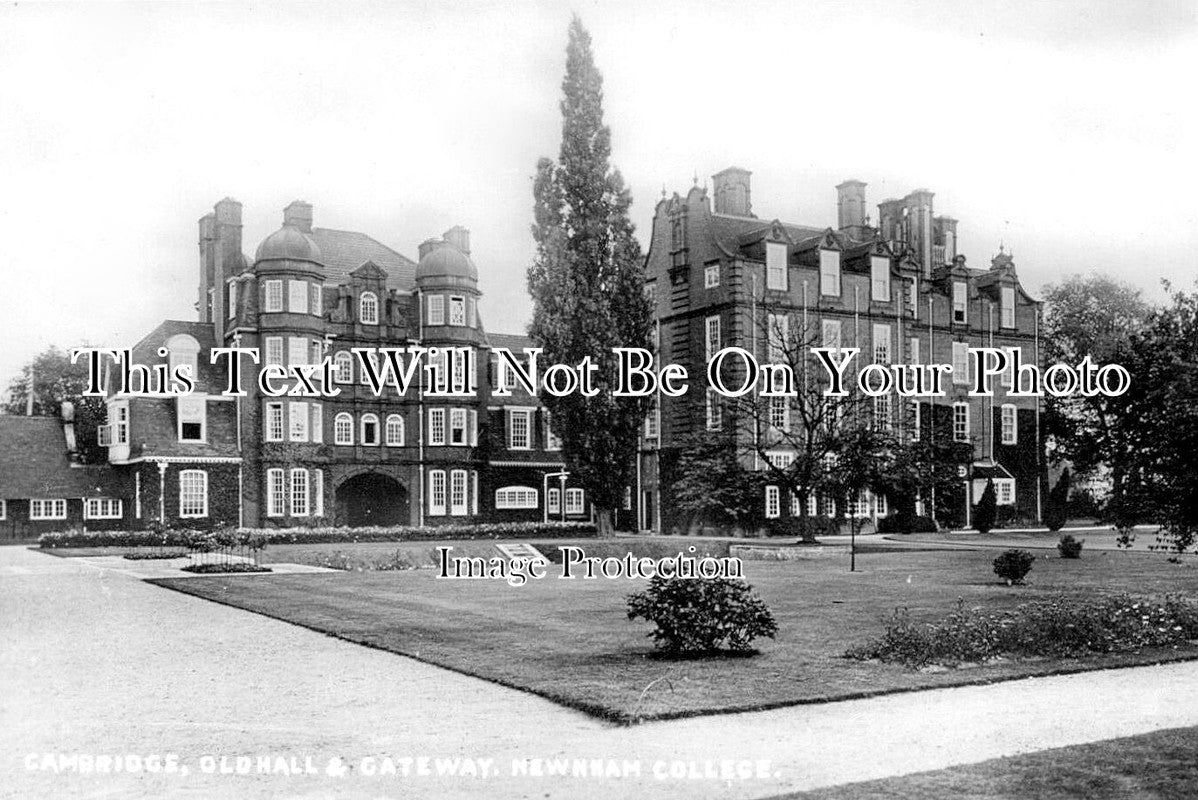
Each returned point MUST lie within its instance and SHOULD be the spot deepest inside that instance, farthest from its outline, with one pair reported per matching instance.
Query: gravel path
(97, 662)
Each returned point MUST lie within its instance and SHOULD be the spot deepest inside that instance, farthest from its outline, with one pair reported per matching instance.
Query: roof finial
(663, 191)
(696, 178)
(1000, 247)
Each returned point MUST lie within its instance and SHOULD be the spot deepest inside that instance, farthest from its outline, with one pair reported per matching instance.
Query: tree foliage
(985, 513)
(587, 283)
(55, 381)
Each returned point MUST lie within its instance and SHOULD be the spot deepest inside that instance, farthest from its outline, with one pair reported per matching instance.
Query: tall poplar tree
(587, 285)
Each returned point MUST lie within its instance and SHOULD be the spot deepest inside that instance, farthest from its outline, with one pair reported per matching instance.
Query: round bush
(1013, 565)
(699, 615)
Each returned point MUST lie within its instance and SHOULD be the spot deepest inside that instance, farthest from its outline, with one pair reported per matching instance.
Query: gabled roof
(210, 378)
(516, 342)
(731, 232)
(34, 463)
(345, 251)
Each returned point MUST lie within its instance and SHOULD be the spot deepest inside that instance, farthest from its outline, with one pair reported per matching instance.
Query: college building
(451, 452)
(898, 289)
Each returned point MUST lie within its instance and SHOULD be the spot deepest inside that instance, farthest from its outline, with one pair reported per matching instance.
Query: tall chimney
(299, 215)
(732, 195)
(850, 207)
(919, 219)
(459, 237)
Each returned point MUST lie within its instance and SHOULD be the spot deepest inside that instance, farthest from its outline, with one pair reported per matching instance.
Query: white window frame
(3, 509)
(435, 310)
(300, 487)
(960, 302)
(776, 277)
(459, 429)
(1009, 423)
(297, 421)
(961, 422)
(343, 428)
(192, 409)
(916, 423)
(276, 492)
(829, 273)
(368, 308)
(832, 334)
(274, 427)
(202, 493)
(297, 297)
(553, 442)
(393, 431)
(365, 421)
(459, 493)
(316, 299)
(344, 367)
(780, 414)
(879, 283)
(773, 502)
(711, 275)
(511, 498)
(318, 492)
(317, 424)
(274, 350)
(712, 337)
(437, 493)
(273, 301)
(1004, 491)
(575, 502)
(960, 363)
(1007, 310)
(881, 344)
(777, 337)
(714, 411)
(436, 427)
(231, 299)
(298, 350)
(554, 501)
(457, 310)
(44, 509)
(514, 441)
(914, 347)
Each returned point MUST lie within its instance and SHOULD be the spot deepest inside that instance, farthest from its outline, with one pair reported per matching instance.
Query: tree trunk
(604, 525)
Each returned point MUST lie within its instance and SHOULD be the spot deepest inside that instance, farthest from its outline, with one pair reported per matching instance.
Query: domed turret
(290, 243)
(442, 259)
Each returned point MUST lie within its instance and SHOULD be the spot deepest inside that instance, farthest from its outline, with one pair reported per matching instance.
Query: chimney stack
(67, 412)
(428, 246)
(732, 195)
(298, 215)
(220, 259)
(850, 207)
(459, 237)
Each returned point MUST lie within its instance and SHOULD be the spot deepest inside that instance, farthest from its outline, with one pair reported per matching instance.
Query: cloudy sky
(1065, 130)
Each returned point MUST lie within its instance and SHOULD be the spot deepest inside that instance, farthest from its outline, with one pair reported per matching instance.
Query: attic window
(959, 302)
(192, 419)
(775, 266)
(1008, 307)
(368, 308)
(879, 267)
(829, 273)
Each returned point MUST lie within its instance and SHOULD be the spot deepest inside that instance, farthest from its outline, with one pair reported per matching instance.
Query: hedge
(406, 533)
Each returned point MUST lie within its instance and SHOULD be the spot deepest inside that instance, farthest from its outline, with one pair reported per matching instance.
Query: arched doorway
(371, 498)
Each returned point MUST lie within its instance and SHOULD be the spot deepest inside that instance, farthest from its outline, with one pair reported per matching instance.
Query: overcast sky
(1065, 130)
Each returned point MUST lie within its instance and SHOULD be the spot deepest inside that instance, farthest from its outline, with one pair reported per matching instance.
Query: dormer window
(193, 419)
(879, 285)
(829, 273)
(184, 352)
(368, 308)
(775, 266)
(960, 305)
(1008, 307)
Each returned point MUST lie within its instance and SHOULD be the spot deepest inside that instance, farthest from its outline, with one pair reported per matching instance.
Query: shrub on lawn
(1070, 547)
(986, 511)
(1057, 508)
(699, 615)
(1058, 627)
(805, 528)
(184, 538)
(1013, 566)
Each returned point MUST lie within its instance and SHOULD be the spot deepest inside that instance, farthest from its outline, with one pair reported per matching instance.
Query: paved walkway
(98, 663)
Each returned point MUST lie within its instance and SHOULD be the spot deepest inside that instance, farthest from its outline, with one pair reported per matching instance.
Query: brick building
(898, 290)
(204, 459)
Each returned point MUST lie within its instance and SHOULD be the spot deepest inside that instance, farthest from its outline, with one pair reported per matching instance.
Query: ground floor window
(575, 503)
(457, 493)
(47, 509)
(101, 508)
(436, 492)
(1004, 491)
(515, 497)
(773, 504)
(274, 493)
(555, 501)
(299, 492)
(193, 493)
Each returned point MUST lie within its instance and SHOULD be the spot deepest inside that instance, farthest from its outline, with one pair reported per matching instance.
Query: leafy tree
(1089, 315)
(587, 284)
(987, 509)
(1155, 430)
(714, 485)
(1056, 513)
(925, 468)
(55, 381)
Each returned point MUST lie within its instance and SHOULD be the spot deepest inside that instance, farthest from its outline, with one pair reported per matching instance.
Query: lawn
(572, 642)
(1153, 765)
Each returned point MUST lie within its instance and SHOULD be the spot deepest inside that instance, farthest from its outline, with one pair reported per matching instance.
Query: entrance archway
(371, 498)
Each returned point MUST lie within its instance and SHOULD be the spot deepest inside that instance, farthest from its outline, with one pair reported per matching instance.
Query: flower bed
(1059, 627)
(184, 538)
(221, 569)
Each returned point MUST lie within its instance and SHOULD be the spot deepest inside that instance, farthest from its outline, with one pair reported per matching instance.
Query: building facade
(448, 450)
(900, 291)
